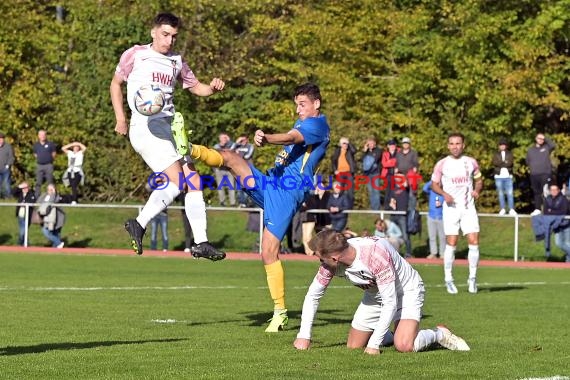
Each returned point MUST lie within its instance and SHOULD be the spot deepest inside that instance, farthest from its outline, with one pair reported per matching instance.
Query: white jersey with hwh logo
(141, 65)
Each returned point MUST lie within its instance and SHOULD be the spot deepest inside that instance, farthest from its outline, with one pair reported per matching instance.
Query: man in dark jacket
(337, 203)
(540, 166)
(557, 204)
(371, 165)
(24, 195)
(503, 172)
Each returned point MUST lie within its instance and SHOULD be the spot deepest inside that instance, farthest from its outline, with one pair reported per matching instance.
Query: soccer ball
(149, 100)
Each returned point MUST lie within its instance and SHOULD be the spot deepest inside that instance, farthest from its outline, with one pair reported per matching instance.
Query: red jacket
(388, 162)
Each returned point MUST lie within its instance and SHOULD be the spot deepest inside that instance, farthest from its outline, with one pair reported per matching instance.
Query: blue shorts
(279, 204)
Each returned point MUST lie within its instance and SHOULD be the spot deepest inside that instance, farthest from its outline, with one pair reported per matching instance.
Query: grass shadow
(4, 238)
(326, 317)
(79, 243)
(44, 347)
(221, 242)
(501, 288)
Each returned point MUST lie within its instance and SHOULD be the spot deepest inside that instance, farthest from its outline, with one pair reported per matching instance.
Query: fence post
(260, 229)
(26, 218)
(516, 238)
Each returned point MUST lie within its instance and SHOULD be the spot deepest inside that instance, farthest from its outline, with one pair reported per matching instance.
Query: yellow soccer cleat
(279, 321)
(179, 134)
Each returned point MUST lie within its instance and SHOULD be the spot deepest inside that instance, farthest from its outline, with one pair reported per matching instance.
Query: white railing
(380, 213)
(121, 206)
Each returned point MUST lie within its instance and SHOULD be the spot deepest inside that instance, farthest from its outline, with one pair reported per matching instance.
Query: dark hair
(327, 242)
(310, 89)
(456, 134)
(166, 19)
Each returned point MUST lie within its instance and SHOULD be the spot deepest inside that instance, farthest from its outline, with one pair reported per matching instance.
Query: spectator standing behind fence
(315, 221)
(503, 162)
(245, 150)
(337, 203)
(399, 202)
(540, 167)
(389, 164)
(24, 195)
(73, 175)
(53, 218)
(344, 166)
(159, 220)
(44, 152)
(557, 204)
(407, 163)
(6, 162)
(371, 165)
(224, 178)
(436, 234)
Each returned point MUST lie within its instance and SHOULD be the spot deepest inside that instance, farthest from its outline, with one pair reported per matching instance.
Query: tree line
(417, 68)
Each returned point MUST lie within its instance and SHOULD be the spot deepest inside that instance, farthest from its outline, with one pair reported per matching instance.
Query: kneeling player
(393, 292)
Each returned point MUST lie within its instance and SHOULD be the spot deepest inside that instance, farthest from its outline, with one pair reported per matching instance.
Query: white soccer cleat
(451, 341)
(278, 322)
(502, 212)
(451, 289)
(512, 212)
(472, 284)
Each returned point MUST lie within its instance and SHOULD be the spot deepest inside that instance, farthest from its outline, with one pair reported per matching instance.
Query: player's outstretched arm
(117, 101)
(292, 137)
(202, 89)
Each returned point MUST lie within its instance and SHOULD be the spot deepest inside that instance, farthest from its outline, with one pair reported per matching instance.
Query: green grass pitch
(101, 317)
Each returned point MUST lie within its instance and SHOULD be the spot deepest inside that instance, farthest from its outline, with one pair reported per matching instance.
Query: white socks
(473, 258)
(158, 201)
(448, 258)
(425, 338)
(195, 208)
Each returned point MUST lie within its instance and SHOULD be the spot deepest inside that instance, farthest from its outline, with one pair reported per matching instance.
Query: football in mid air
(149, 100)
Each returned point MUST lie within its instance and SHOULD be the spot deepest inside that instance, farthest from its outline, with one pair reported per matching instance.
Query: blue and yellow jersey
(301, 160)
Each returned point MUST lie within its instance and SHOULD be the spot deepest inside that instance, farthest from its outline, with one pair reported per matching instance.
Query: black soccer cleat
(207, 251)
(136, 232)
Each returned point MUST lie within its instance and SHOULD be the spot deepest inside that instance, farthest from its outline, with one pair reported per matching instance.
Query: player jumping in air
(151, 136)
(303, 148)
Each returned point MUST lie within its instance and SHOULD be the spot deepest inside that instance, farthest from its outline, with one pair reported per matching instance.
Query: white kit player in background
(151, 136)
(393, 292)
(457, 178)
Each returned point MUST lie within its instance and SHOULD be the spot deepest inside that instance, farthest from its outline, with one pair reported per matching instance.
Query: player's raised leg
(158, 200)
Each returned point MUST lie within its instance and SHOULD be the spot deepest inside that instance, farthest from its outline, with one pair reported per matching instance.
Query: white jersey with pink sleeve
(379, 270)
(456, 176)
(142, 65)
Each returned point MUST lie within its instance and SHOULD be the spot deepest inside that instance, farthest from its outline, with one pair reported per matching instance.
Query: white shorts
(152, 139)
(455, 218)
(368, 312)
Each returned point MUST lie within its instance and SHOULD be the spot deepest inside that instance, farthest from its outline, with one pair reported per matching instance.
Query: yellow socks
(276, 283)
(210, 157)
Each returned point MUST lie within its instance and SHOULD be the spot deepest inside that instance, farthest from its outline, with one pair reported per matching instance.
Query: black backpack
(414, 222)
